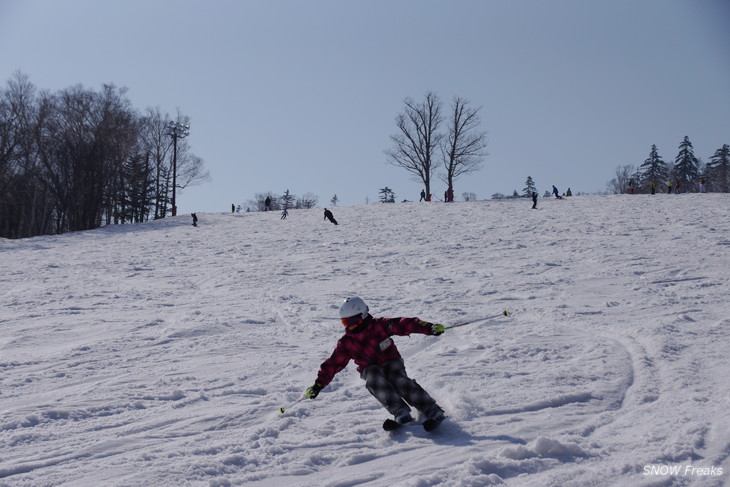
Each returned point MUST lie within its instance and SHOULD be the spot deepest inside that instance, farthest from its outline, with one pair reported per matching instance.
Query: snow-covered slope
(159, 354)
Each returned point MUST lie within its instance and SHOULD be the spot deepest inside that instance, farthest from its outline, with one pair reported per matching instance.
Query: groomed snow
(159, 354)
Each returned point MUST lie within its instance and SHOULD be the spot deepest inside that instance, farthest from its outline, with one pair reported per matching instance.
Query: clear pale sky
(303, 95)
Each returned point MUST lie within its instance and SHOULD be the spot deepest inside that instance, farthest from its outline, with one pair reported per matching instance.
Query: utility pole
(176, 130)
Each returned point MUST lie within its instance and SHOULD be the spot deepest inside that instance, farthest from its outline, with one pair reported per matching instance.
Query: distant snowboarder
(328, 215)
(423, 195)
(195, 219)
(534, 200)
(557, 193)
(367, 341)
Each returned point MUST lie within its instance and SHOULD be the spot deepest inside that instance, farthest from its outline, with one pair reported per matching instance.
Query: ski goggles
(351, 321)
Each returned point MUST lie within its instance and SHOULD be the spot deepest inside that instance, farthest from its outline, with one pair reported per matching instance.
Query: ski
(428, 425)
(431, 424)
(391, 425)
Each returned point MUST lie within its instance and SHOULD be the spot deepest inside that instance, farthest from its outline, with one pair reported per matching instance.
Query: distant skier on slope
(557, 193)
(367, 341)
(329, 216)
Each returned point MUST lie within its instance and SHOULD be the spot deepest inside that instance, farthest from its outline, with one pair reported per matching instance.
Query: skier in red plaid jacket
(367, 341)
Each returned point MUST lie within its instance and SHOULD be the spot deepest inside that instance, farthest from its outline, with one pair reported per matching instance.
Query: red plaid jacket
(371, 346)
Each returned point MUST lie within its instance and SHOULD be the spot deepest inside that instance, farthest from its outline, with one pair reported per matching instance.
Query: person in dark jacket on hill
(367, 341)
(329, 216)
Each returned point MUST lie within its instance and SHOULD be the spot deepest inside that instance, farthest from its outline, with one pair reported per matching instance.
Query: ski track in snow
(159, 354)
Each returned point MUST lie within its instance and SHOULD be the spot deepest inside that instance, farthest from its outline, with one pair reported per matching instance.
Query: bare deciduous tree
(417, 139)
(307, 201)
(158, 145)
(259, 202)
(79, 158)
(26, 207)
(625, 178)
(190, 169)
(463, 146)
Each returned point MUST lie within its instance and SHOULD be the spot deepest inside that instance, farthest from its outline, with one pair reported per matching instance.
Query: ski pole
(503, 313)
(283, 410)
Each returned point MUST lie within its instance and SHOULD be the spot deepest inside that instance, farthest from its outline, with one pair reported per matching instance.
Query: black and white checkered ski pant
(393, 388)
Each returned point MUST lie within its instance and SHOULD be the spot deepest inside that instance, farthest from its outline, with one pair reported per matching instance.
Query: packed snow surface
(159, 354)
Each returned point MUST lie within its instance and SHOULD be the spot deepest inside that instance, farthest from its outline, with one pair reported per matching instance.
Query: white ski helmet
(352, 307)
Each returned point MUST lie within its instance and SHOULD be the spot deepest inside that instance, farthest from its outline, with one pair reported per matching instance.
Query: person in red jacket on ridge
(367, 341)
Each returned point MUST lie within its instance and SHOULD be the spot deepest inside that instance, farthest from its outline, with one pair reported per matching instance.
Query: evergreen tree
(287, 200)
(529, 187)
(654, 169)
(718, 170)
(136, 192)
(387, 195)
(686, 170)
